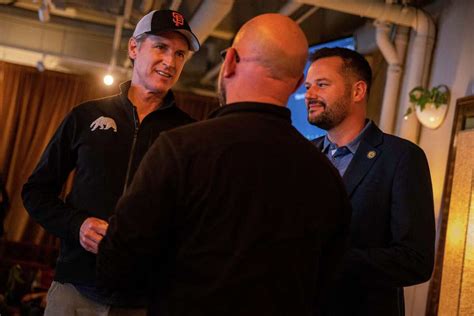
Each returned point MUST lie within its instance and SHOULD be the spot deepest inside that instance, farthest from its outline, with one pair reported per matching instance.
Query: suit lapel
(364, 158)
(318, 142)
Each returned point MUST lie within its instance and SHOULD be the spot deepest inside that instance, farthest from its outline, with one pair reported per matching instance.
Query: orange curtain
(32, 105)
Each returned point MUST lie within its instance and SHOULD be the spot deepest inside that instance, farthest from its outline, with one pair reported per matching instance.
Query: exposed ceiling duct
(82, 34)
(208, 17)
(289, 8)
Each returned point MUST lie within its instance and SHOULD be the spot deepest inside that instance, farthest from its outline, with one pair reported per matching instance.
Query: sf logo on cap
(178, 19)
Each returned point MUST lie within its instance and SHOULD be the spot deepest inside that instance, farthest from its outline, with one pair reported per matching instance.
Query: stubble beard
(332, 116)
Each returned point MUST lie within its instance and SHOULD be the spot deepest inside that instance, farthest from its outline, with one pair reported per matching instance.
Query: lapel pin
(371, 154)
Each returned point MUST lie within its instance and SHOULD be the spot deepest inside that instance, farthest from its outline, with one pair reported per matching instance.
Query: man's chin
(159, 88)
(318, 123)
(313, 120)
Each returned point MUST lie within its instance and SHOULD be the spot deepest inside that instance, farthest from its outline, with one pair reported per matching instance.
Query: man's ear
(359, 91)
(132, 48)
(229, 64)
(300, 82)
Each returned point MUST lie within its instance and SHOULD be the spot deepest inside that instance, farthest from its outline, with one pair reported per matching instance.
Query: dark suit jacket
(236, 215)
(392, 229)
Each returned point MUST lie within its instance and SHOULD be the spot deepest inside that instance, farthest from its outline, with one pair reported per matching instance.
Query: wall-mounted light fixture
(430, 105)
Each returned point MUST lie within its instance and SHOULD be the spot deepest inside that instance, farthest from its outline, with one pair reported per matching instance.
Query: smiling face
(328, 93)
(158, 61)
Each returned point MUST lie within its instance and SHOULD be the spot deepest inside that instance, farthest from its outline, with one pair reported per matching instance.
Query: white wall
(452, 65)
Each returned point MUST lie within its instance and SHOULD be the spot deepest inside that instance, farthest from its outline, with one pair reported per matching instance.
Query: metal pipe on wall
(394, 74)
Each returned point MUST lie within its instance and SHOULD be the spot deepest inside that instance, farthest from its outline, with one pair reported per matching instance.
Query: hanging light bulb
(108, 79)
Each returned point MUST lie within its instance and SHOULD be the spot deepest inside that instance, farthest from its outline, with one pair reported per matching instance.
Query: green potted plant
(430, 105)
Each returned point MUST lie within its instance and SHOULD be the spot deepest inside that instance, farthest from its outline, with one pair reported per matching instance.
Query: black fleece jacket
(236, 215)
(104, 142)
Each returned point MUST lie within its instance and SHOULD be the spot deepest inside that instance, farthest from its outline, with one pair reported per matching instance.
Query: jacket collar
(368, 152)
(168, 101)
(252, 107)
(353, 145)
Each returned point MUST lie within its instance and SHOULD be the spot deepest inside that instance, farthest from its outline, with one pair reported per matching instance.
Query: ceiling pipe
(307, 14)
(119, 24)
(127, 10)
(396, 14)
(116, 43)
(423, 42)
(208, 16)
(70, 13)
(289, 8)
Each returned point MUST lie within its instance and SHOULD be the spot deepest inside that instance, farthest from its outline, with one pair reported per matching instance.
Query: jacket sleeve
(137, 239)
(41, 192)
(409, 257)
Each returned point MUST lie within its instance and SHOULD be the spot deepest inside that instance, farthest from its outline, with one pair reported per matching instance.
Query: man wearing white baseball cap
(104, 141)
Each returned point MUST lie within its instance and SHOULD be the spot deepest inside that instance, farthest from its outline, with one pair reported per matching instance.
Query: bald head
(265, 63)
(277, 42)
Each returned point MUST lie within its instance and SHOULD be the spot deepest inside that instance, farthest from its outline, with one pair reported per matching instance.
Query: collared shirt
(342, 156)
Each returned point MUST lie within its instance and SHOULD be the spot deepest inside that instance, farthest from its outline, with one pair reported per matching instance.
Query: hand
(91, 233)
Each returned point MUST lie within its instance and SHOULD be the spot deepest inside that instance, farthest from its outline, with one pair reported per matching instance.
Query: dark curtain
(32, 105)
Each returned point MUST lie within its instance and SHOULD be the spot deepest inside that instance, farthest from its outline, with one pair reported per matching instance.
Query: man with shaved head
(239, 214)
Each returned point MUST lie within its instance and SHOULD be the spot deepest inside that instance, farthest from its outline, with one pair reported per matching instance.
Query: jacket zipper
(132, 151)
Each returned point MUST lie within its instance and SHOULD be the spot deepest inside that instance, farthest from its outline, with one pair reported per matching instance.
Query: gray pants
(65, 300)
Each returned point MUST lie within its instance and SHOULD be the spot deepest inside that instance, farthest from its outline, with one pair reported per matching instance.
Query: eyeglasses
(223, 53)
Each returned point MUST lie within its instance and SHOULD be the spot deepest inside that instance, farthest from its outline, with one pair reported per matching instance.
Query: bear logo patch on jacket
(103, 123)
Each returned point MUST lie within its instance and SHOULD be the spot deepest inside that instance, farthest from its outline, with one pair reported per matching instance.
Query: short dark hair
(354, 62)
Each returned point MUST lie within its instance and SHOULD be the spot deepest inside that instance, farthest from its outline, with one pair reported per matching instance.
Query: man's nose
(169, 59)
(310, 93)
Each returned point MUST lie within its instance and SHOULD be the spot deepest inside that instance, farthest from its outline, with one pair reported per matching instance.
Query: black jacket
(103, 142)
(392, 230)
(236, 215)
